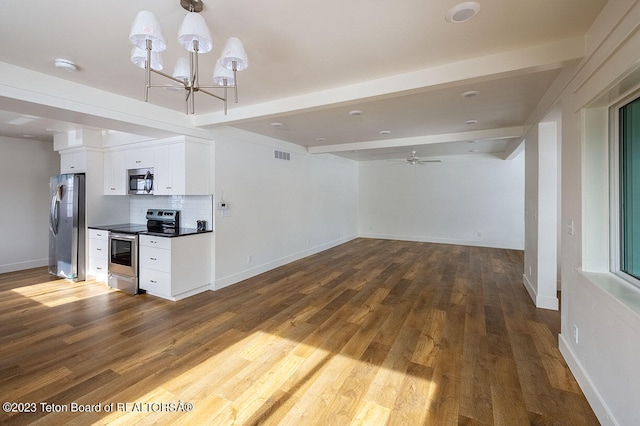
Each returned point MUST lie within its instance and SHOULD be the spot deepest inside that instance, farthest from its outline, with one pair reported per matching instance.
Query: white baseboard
(19, 266)
(426, 239)
(594, 398)
(543, 302)
(257, 270)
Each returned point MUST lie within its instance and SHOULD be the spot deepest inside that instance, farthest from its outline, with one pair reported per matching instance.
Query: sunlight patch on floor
(61, 292)
(268, 379)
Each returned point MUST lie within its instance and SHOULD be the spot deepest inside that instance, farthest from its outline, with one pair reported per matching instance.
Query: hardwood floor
(371, 332)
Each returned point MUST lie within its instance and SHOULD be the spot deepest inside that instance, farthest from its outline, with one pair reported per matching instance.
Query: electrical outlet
(575, 334)
(249, 259)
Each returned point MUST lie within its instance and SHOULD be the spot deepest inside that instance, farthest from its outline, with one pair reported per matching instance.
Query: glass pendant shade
(139, 57)
(221, 73)
(194, 27)
(182, 70)
(234, 51)
(146, 27)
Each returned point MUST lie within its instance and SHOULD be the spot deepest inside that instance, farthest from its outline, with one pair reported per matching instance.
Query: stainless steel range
(123, 246)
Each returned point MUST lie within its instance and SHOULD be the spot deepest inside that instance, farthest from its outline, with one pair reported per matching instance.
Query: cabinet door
(75, 162)
(182, 169)
(155, 258)
(169, 169)
(139, 158)
(115, 178)
(155, 282)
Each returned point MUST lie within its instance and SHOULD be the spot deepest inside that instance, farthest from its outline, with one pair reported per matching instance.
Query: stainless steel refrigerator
(67, 226)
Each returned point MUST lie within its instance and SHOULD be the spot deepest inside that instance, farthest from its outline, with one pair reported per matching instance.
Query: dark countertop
(136, 228)
(181, 232)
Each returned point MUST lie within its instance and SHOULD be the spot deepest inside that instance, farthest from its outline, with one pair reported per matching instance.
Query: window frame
(615, 209)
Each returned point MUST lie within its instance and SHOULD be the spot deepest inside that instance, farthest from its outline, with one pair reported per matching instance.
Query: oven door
(123, 254)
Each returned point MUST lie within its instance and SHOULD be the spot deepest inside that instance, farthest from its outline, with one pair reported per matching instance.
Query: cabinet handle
(153, 242)
(153, 258)
(72, 167)
(98, 268)
(138, 161)
(99, 249)
(154, 281)
(168, 187)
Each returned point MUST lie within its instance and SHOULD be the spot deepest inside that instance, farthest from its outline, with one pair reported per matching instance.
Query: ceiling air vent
(281, 155)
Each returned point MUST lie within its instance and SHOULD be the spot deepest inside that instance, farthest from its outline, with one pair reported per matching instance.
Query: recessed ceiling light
(355, 112)
(29, 136)
(473, 150)
(320, 139)
(385, 132)
(462, 12)
(277, 125)
(471, 122)
(470, 94)
(65, 65)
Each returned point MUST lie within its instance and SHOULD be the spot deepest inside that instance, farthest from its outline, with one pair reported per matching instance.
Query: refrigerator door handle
(54, 212)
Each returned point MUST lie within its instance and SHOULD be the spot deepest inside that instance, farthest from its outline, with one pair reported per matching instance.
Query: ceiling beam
(503, 133)
(26, 91)
(516, 62)
(513, 149)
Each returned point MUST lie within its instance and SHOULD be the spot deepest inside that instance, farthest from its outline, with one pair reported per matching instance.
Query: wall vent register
(281, 155)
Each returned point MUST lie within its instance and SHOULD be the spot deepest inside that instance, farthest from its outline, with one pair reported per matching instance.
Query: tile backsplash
(192, 208)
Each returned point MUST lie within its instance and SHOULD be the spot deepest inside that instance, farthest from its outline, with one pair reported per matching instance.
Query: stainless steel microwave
(141, 181)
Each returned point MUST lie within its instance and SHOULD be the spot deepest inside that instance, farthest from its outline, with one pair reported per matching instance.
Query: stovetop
(125, 228)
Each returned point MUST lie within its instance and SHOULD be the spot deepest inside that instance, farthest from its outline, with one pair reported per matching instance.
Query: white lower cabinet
(175, 267)
(98, 254)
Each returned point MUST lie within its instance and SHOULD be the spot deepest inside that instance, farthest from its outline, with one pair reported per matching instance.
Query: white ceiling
(311, 63)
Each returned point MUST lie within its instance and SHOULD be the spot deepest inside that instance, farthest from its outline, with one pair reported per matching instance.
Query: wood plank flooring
(372, 332)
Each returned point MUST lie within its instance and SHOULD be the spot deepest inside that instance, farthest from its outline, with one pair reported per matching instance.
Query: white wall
(603, 354)
(279, 211)
(25, 168)
(470, 200)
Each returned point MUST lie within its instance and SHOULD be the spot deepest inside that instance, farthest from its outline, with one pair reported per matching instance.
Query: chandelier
(148, 41)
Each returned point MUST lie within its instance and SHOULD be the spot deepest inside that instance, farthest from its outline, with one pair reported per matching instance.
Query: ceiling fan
(413, 159)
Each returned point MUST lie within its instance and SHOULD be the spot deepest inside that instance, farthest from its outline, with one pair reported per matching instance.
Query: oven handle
(120, 236)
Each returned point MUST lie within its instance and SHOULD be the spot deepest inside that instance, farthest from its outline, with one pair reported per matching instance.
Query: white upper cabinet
(115, 173)
(138, 158)
(73, 161)
(182, 168)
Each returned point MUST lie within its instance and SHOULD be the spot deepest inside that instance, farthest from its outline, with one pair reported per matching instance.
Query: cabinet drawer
(99, 248)
(98, 268)
(155, 242)
(155, 282)
(98, 234)
(155, 258)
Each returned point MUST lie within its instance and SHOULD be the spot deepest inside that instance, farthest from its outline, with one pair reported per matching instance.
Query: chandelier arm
(216, 86)
(169, 77)
(224, 99)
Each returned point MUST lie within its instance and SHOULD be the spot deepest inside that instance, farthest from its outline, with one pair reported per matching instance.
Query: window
(627, 205)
